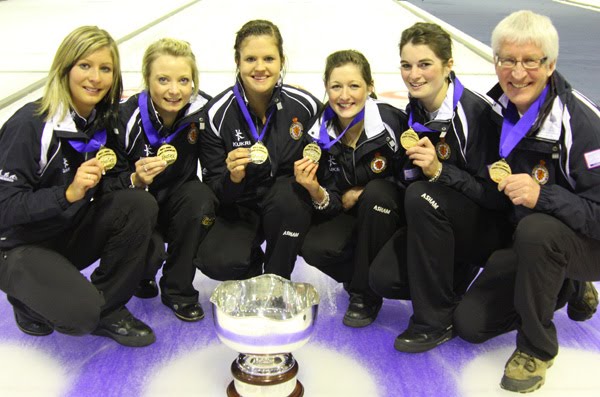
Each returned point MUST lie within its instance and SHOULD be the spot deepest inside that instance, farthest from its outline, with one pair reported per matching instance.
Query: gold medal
(409, 138)
(312, 151)
(107, 157)
(258, 153)
(168, 153)
(499, 170)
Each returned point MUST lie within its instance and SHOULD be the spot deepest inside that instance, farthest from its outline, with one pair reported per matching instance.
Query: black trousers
(184, 219)
(45, 281)
(232, 248)
(448, 238)
(521, 286)
(344, 247)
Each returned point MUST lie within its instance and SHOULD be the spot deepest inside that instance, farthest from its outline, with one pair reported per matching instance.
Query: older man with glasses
(549, 168)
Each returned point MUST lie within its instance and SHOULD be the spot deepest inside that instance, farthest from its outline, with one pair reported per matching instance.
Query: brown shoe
(524, 373)
(583, 306)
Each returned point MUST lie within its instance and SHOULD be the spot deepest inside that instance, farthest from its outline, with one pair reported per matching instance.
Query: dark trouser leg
(444, 228)
(50, 289)
(231, 250)
(388, 275)
(487, 309)
(548, 252)
(379, 214)
(186, 218)
(117, 228)
(286, 217)
(328, 246)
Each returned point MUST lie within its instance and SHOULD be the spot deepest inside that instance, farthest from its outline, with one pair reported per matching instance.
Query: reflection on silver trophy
(264, 318)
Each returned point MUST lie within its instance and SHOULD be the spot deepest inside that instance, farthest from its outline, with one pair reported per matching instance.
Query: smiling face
(347, 91)
(523, 86)
(259, 65)
(170, 85)
(424, 74)
(90, 79)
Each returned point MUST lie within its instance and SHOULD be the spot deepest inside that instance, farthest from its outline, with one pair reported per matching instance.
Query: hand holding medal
(305, 171)
(147, 168)
(236, 162)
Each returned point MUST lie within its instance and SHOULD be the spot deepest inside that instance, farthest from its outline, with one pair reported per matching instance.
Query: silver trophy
(264, 318)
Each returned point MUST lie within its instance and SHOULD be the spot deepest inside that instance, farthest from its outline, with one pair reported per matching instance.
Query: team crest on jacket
(443, 150)
(378, 164)
(540, 173)
(296, 129)
(192, 136)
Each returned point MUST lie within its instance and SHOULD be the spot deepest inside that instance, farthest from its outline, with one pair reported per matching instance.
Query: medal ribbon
(328, 114)
(96, 142)
(513, 128)
(458, 91)
(246, 113)
(154, 139)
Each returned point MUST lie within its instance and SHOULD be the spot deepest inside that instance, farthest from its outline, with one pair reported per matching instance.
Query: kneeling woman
(361, 137)
(56, 217)
(159, 133)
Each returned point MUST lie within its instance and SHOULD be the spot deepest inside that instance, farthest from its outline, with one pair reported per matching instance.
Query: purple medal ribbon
(513, 128)
(458, 91)
(96, 142)
(246, 113)
(328, 114)
(154, 138)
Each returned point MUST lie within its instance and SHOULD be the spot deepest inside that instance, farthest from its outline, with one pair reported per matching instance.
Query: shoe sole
(421, 348)
(129, 341)
(26, 331)
(521, 386)
(579, 315)
(357, 323)
(189, 319)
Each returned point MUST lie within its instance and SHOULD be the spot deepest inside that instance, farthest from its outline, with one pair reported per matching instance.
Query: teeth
(344, 105)
(519, 85)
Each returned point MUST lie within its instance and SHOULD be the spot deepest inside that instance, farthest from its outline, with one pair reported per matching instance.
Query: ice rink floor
(187, 358)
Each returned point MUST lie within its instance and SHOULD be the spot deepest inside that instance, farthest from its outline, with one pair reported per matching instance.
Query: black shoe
(583, 306)
(411, 341)
(186, 311)
(361, 311)
(146, 289)
(126, 330)
(31, 326)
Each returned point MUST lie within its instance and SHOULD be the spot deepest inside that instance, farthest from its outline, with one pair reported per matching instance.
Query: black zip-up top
(37, 164)
(562, 152)
(134, 141)
(285, 138)
(472, 136)
(375, 151)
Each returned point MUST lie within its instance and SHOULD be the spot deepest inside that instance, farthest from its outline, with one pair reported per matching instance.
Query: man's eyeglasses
(511, 63)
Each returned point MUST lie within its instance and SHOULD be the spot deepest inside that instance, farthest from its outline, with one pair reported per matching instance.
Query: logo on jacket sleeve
(192, 136)
(296, 129)
(378, 164)
(66, 166)
(148, 152)
(7, 176)
(333, 165)
(540, 173)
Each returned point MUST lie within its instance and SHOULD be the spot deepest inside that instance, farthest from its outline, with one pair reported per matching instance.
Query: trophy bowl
(264, 318)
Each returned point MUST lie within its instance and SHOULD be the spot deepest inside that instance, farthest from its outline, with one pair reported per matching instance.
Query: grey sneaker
(583, 306)
(524, 373)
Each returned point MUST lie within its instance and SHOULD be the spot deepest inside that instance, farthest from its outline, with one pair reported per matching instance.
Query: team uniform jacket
(472, 135)
(375, 150)
(134, 142)
(37, 164)
(562, 152)
(285, 139)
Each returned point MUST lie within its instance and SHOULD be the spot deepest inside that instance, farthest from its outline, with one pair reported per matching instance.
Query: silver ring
(145, 169)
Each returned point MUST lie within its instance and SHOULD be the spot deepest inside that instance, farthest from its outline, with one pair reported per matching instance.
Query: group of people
(391, 203)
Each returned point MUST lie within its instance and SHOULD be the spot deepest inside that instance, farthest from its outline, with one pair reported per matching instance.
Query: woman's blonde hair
(79, 43)
(173, 47)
